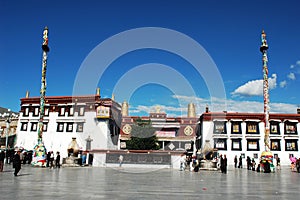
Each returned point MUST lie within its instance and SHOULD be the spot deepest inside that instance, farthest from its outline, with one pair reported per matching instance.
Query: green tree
(142, 137)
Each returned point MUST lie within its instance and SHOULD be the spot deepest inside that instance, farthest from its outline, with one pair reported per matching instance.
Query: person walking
(121, 160)
(248, 163)
(235, 161)
(48, 158)
(57, 160)
(240, 162)
(182, 162)
(51, 160)
(221, 163)
(278, 163)
(253, 164)
(17, 163)
(224, 164)
(2, 157)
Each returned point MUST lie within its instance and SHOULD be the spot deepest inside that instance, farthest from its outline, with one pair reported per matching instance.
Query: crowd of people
(52, 161)
(22, 157)
(191, 163)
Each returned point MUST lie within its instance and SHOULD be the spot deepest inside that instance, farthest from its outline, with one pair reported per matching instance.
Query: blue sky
(228, 31)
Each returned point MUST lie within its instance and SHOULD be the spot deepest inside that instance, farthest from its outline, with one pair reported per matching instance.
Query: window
(33, 126)
(60, 127)
(26, 112)
(219, 127)
(46, 112)
(24, 126)
(81, 111)
(274, 128)
(62, 111)
(291, 145)
(71, 111)
(69, 127)
(275, 145)
(220, 144)
(236, 145)
(253, 145)
(252, 128)
(36, 111)
(290, 128)
(79, 127)
(45, 126)
(236, 128)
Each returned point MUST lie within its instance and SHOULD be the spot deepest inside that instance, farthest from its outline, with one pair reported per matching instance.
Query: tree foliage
(142, 137)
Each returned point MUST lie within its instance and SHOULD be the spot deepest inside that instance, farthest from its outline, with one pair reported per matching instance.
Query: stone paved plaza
(146, 183)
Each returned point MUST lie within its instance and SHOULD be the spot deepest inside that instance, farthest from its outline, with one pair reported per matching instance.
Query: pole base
(39, 155)
(266, 164)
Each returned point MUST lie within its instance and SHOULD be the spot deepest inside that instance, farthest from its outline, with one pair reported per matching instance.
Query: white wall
(59, 141)
(207, 131)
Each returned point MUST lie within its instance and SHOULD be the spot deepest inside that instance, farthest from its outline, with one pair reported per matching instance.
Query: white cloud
(231, 106)
(181, 110)
(255, 87)
(187, 98)
(283, 84)
(251, 88)
(291, 76)
(273, 82)
(296, 67)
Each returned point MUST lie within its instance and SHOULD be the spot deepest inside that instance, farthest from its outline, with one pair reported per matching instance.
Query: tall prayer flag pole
(39, 156)
(263, 48)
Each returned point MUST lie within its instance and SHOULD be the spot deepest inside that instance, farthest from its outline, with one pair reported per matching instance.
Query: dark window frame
(254, 124)
(257, 144)
(276, 131)
(58, 127)
(68, 129)
(239, 140)
(79, 110)
(217, 130)
(78, 129)
(62, 111)
(273, 148)
(288, 131)
(36, 111)
(239, 125)
(45, 126)
(46, 111)
(24, 124)
(290, 141)
(26, 111)
(34, 126)
(71, 108)
(224, 140)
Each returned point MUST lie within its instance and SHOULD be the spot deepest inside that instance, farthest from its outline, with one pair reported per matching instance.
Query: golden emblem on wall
(188, 130)
(127, 129)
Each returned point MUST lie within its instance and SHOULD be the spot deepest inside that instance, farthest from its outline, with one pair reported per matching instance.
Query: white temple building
(90, 119)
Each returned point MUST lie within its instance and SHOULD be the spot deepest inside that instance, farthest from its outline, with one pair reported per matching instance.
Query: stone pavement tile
(140, 183)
